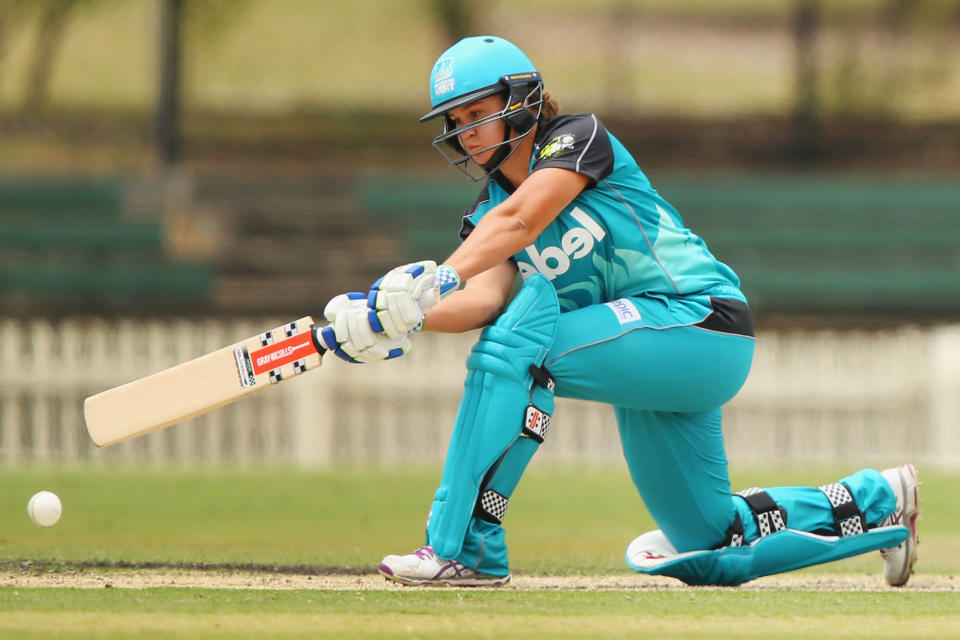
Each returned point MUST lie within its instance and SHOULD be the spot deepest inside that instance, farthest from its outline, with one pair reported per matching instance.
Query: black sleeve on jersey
(466, 227)
(577, 142)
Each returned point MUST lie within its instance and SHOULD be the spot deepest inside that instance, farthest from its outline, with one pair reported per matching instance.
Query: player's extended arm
(504, 230)
(480, 302)
(516, 222)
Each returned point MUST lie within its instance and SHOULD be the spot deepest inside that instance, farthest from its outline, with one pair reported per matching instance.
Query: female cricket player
(621, 304)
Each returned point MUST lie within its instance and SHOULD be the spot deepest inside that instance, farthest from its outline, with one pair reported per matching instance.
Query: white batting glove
(349, 334)
(399, 298)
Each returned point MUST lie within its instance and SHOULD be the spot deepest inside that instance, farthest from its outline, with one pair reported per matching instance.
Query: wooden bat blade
(202, 384)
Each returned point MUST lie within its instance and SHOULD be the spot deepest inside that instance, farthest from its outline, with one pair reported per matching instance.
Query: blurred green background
(221, 160)
(573, 521)
(222, 157)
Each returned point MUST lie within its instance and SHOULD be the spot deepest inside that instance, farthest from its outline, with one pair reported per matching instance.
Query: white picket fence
(822, 397)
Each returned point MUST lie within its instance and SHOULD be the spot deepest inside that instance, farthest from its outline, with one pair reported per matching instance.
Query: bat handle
(315, 339)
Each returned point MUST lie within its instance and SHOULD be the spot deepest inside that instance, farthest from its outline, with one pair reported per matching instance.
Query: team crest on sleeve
(443, 80)
(556, 145)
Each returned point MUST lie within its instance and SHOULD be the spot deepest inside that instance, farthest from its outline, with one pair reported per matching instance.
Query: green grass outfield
(561, 523)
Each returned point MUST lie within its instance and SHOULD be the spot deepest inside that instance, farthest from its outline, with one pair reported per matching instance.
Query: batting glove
(350, 336)
(399, 298)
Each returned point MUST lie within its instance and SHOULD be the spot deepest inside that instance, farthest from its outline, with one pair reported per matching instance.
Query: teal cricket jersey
(618, 238)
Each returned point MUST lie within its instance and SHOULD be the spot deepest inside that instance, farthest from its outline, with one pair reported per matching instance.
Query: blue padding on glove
(375, 324)
(414, 270)
(329, 337)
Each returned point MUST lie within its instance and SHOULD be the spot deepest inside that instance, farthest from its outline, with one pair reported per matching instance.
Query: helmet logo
(556, 145)
(443, 81)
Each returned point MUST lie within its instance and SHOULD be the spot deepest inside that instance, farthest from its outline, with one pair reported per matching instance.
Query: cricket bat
(203, 384)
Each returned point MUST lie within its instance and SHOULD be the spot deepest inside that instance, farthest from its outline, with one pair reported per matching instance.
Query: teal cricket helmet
(475, 68)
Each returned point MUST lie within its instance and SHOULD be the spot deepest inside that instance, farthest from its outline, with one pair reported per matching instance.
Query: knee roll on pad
(501, 386)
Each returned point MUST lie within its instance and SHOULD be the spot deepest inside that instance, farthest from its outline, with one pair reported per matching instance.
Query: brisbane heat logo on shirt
(576, 243)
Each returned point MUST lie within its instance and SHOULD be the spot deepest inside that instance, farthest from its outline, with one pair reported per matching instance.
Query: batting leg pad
(501, 385)
(777, 548)
(502, 479)
(786, 550)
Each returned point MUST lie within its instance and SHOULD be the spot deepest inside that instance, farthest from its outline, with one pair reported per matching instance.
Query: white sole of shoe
(898, 576)
(491, 581)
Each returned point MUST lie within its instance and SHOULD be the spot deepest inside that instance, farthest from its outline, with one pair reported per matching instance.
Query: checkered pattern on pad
(847, 515)
(494, 505)
(769, 517)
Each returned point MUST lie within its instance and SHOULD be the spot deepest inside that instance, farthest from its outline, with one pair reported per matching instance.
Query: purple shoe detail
(425, 553)
(424, 568)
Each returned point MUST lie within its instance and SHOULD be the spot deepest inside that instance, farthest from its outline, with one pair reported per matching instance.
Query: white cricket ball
(44, 508)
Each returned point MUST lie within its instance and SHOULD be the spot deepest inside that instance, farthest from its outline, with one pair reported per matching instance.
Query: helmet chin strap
(501, 154)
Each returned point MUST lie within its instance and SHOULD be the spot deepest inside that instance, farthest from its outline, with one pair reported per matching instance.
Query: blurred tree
(881, 81)
(11, 15)
(456, 18)
(207, 19)
(806, 111)
(54, 16)
(182, 22)
(167, 116)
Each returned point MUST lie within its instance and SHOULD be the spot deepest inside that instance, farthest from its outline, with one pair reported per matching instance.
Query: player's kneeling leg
(777, 549)
(503, 416)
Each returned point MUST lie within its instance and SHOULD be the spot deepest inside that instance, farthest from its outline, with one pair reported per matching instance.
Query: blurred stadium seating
(814, 145)
(66, 246)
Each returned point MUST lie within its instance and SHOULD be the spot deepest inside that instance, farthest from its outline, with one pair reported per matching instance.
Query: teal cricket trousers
(667, 366)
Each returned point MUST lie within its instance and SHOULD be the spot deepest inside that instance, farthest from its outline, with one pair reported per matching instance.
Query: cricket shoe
(898, 561)
(423, 567)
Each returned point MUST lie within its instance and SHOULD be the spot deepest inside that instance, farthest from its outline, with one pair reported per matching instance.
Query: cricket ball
(44, 508)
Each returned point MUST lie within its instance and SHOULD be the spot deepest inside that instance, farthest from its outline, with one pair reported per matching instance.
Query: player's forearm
(500, 234)
(463, 311)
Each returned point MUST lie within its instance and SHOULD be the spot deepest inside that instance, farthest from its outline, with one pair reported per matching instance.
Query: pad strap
(734, 533)
(542, 377)
(769, 517)
(491, 506)
(847, 517)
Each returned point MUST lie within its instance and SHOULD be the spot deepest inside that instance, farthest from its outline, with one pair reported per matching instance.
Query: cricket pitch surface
(224, 578)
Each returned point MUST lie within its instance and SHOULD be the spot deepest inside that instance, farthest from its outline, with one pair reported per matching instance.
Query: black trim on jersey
(502, 181)
(590, 154)
(729, 315)
(466, 226)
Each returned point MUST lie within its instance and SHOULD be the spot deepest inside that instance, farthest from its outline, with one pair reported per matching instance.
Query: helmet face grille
(520, 122)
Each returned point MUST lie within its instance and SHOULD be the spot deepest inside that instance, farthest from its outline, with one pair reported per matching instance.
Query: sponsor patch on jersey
(556, 145)
(624, 309)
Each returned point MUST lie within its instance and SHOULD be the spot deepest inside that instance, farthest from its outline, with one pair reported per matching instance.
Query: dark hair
(550, 107)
